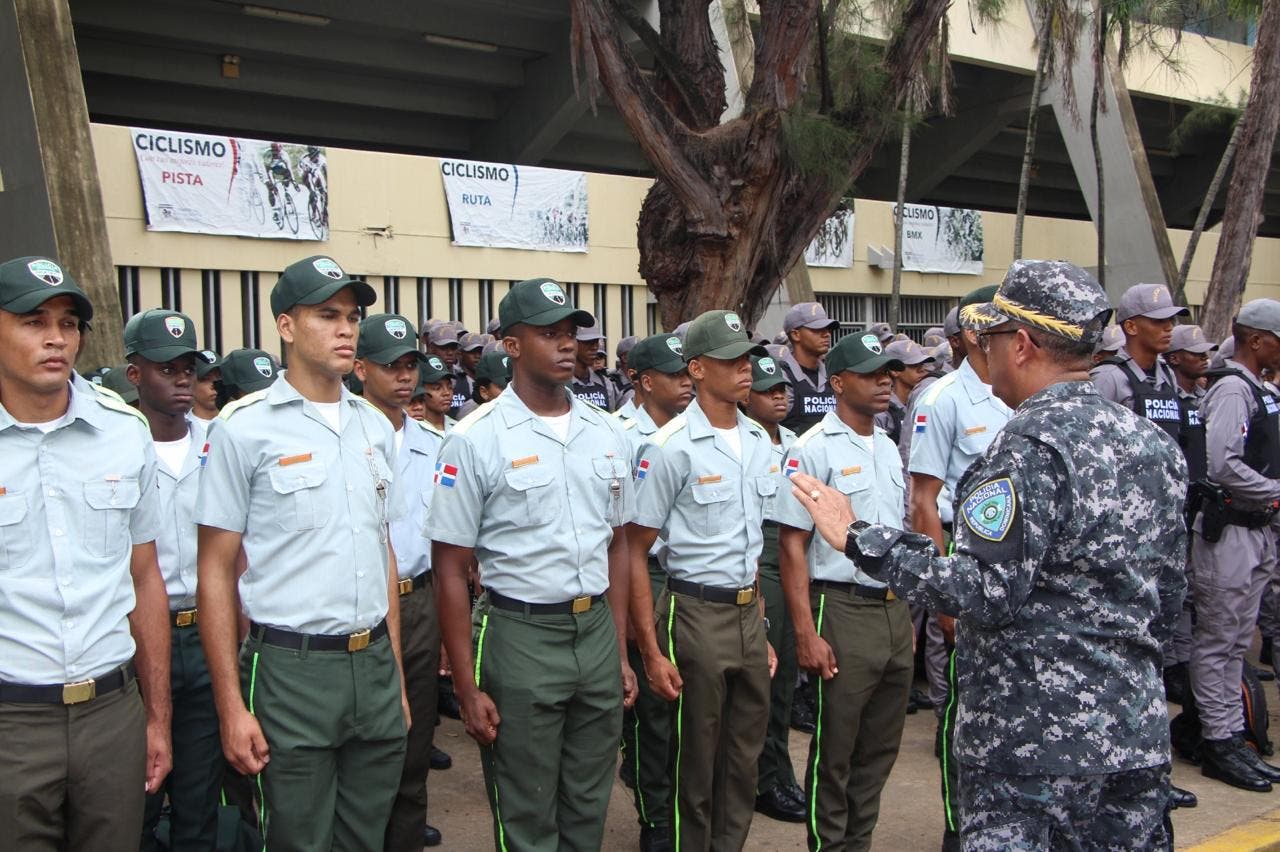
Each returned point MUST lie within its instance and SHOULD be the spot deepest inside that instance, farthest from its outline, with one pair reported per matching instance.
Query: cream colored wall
(406, 195)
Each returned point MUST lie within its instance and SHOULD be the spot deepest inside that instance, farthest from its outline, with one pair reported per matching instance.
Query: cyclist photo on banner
(315, 178)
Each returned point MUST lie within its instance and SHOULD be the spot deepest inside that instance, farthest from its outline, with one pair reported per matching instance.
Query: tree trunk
(895, 294)
(1248, 179)
(1202, 218)
(1095, 106)
(1033, 120)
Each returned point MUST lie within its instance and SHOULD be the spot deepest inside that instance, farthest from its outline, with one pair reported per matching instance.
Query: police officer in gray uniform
(1062, 598)
(1233, 555)
(536, 485)
(82, 603)
(588, 385)
(299, 477)
(808, 330)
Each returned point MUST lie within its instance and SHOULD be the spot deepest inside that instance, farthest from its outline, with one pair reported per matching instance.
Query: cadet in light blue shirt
(706, 486)
(537, 485)
(82, 602)
(300, 474)
(842, 616)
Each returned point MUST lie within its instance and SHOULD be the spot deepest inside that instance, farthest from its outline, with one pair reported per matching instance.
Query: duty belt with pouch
(1215, 506)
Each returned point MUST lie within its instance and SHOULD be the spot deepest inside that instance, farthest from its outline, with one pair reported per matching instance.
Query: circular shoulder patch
(328, 266)
(989, 510)
(47, 271)
(552, 291)
(873, 343)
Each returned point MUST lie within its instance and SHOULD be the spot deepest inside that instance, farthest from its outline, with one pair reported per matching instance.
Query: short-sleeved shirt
(73, 503)
(415, 472)
(707, 502)
(539, 510)
(872, 480)
(307, 500)
(176, 542)
(952, 424)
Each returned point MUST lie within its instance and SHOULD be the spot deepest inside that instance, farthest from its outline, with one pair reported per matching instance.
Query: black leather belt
(574, 607)
(183, 617)
(350, 642)
(68, 693)
(1253, 520)
(715, 594)
(875, 593)
(408, 587)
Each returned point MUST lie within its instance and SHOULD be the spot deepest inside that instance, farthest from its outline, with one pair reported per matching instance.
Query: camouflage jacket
(1068, 573)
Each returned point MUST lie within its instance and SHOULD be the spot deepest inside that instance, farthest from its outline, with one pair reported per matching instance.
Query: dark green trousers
(646, 734)
(946, 749)
(721, 716)
(860, 716)
(193, 785)
(775, 761)
(420, 649)
(557, 683)
(72, 776)
(336, 731)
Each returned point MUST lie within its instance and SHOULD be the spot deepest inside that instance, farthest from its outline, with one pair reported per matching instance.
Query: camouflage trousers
(1120, 810)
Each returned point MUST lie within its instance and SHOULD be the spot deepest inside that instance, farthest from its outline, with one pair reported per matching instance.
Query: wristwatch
(851, 539)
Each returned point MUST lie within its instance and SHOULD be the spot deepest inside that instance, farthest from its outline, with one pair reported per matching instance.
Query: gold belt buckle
(79, 692)
(358, 641)
(185, 618)
(890, 596)
(406, 586)
(745, 596)
(582, 604)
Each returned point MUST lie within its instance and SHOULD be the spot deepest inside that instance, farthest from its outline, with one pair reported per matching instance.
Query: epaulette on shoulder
(243, 402)
(672, 427)
(108, 398)
(934, 390)
(815, 429)
(465, 424)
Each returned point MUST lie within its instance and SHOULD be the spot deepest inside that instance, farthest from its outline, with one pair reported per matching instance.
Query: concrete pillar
(50, 198)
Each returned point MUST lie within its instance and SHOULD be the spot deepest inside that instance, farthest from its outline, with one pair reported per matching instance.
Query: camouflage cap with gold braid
(1054, 296)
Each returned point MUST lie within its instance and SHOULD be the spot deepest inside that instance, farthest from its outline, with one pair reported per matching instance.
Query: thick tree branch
(686, 30)
(677, 75)
(783, 53)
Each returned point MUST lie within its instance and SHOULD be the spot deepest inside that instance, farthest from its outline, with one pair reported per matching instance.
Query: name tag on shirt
(707, 480)
(298, 459)
(857, 468)
(527, 460)
(975, 430)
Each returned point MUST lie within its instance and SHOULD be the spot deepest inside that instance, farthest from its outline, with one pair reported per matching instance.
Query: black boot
(1180, 798)
(1221, 759)
(1177, 683)
(1255, 761)
(1264, 655)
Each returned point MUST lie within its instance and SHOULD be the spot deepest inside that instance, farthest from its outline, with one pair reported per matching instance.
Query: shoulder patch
(465, 424)
(108, 398)
(243, 402)
(815, 429)
(672, 427)
(934, 390)
(989, 510)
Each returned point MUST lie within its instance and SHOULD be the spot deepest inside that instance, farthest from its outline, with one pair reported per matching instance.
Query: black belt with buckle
(875, 593)
(715, 594)
(183, 617)
(576, 606)
(350, 642)
(69, 693)
(408, 587)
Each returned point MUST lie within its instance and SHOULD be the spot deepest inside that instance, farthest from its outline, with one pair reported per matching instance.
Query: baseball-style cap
(951, 324)
(115, 379)
(1111, 341)
(443, 334)
(1190, 338)
(249, 370)
(160, 336)
(777, 351)
(314, 279)
(1226, 349)
(538, 301)
(625, 345)
(908, 352)
(493, 327)
(765, 374)
(974, 311)
(1148, 300)
(1262, 314)
(661, 352)
(808, 315)
(883, 332)
(432, 370)
(494, 367)
(942, 353)
(1054, 296)
(26, 283)
(719, 335)
(590, 332)
(860, 353)
(386, 337)
(471, 341)
(206, 362)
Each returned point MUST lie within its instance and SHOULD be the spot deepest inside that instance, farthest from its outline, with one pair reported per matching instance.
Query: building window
(127, 278)
(424, 301)
(455, 299)
(249, 309)
(600, 293)
(916, 314)
(171, 289)
(488, 310)
(628, 305)
(391, 293)
(211, 304)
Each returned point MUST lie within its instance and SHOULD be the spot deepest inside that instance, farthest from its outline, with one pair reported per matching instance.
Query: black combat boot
(1255, 761)
(1221, 759)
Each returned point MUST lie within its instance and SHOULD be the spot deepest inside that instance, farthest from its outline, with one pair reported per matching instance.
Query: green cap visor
(385, 338)
(160, 336)
(26, 283)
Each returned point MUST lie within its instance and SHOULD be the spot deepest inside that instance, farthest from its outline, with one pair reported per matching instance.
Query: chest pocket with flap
(299, 503)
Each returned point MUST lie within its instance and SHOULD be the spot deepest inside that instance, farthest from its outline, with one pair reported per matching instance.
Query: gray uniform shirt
(73, 502)
(415, 472)
(1226, 410)
(176, 543)
(307, 501)
(1113, 384)
(705, 501)
(539, 511)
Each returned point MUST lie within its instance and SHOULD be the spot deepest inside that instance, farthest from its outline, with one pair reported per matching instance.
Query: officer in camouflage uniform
(1067, 575)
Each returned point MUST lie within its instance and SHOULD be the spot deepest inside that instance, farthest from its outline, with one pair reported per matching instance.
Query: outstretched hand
(829, 508)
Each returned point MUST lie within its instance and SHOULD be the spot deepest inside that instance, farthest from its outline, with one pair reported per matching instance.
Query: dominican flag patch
(922, 420)
(792, 467)
(204, 453)
(446, 474)
(642, 469)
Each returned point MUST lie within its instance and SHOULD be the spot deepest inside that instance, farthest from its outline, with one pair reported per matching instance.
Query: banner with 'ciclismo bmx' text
(941, 239)
(500, 205)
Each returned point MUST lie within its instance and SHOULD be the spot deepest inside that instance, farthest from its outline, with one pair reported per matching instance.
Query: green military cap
(538, 301)
(312, 280)
(116, 380)
(160, 336)
(860, 353)
(765, 374)
(1054, 296)
(206, 362)
(719, 335)
(26, 283)
(386, 337)
(975, 312)
(494, 367)
(661, 352)
(432, 370)
(248, 370)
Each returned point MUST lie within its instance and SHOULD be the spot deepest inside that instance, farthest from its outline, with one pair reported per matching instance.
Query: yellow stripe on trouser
(262, 799)
(675, 782)
(817, 741)
(497, 808)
